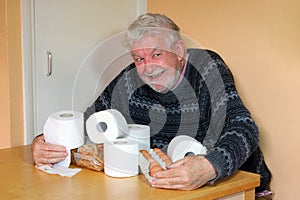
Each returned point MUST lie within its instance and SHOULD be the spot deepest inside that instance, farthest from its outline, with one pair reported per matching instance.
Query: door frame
(28, 69)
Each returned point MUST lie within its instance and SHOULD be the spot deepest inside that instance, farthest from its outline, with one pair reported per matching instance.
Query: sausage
(154, 165)
(163, 156)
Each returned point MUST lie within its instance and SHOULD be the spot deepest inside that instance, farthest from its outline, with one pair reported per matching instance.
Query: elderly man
(178, 91)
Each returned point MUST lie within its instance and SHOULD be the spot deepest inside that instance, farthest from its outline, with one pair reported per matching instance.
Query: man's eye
(138, 59)
(157, 55)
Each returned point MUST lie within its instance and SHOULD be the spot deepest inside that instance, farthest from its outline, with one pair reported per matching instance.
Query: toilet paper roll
(106, 125)
(140, 134)
(182, 145)
(121, 158)
(65, 128)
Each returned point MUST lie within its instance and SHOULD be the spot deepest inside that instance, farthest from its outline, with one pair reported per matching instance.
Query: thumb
(176, 164)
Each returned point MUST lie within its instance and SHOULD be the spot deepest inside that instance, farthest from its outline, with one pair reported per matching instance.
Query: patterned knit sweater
(205, 105)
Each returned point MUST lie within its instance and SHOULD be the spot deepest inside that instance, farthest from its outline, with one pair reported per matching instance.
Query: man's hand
(189, 173)
(45, 153)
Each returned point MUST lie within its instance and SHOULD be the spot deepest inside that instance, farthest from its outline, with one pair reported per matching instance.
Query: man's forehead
(146, 49)
(150, 40)
(149, 50)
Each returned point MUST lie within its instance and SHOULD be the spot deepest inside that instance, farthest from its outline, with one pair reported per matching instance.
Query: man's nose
(149, 68)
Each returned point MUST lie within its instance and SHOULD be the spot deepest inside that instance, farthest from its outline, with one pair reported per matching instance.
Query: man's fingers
(47, 154)
(168, 183)
(52, 154)
(49, 161)
(177, 169)
(169, 173)
(55, 148)
(48, 158)
(176, 164)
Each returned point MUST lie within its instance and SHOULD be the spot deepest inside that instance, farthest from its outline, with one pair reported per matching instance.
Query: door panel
(70, 29)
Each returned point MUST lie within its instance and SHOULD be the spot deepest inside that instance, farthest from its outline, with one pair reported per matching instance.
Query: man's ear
(180, 49)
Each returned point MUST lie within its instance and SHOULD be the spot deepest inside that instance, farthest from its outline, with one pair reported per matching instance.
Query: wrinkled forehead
(150, 42)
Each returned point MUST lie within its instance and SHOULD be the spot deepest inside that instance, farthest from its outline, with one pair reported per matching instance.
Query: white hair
(152, 24)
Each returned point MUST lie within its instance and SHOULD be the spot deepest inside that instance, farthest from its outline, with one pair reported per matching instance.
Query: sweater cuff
(37, 136)
(217, 159)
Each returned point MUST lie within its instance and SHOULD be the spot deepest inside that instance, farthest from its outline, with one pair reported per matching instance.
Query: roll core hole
(101, 127)
(189, 154)
(66, 115)
(120, 142)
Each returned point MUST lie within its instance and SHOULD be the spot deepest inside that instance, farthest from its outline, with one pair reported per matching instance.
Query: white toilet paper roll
(65, 128)
(121, 158)
(140, 134)
(106, 125)
(181, 145)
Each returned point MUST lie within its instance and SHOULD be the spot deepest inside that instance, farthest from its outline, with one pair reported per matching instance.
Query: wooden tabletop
(21, 180)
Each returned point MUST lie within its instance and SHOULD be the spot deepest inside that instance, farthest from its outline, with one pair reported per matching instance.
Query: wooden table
(21, 180)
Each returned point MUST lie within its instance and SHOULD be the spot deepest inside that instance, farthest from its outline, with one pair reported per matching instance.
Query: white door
(66, 34)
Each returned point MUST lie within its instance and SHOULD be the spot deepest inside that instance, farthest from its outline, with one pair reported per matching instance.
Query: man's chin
(159, 88)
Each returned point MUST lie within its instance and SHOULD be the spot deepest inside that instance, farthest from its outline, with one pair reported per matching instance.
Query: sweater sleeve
(233, 134)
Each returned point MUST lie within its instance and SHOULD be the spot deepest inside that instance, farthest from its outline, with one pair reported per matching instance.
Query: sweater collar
(182, 73)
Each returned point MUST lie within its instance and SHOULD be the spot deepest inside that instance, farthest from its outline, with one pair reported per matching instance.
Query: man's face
(156, 64)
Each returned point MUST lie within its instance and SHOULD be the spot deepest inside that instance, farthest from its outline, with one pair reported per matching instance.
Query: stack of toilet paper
(122, 141)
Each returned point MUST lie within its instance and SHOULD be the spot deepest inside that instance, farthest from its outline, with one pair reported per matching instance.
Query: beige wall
(11, 95)
(4, 81)
(260, 41)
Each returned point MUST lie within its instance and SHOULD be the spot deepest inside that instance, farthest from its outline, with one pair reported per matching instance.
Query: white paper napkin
(62, 171)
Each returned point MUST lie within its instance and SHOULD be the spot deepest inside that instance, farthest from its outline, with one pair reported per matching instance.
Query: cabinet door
(66, 32)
